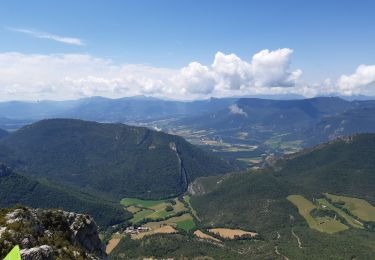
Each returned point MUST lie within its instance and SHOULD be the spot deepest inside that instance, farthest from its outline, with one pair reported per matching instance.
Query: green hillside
(254, 201)
(327, 226)
(16, 189)
(258, 200)
(116, 159)
(344, 166)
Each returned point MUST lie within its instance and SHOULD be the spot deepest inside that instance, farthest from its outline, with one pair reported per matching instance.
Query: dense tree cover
(345, 166)
(117, 159)
(17, 189)
(251, 201)
(351, 244)
(180, 246)
(258, 200)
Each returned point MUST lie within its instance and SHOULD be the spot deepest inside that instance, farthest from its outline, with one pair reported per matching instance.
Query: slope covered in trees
(115, 159)
(17, 189)
(258, 199)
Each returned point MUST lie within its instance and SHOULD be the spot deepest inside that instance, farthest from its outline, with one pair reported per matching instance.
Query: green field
(186, 225)
(152, 209)
(351, 221)
(357, 207)
(137, 217)
(322, 224)
(304, 208)
(155, 210)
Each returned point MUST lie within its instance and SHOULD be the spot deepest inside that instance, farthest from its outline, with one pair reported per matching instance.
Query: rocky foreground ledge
(49, 234)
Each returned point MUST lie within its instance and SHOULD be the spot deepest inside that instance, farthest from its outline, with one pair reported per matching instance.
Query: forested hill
(17, 189)
(344, 166)
(115, 159)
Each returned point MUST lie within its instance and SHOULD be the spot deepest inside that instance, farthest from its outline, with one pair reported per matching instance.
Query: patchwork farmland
(334, 213)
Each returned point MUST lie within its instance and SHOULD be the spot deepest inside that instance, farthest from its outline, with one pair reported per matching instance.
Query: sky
(185, 49)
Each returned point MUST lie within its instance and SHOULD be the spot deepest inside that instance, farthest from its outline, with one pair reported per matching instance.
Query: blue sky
(328, 38)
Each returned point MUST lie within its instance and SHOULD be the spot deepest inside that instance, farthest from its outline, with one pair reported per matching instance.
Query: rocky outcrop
(49, 234)
(196, 188)
(37, 253)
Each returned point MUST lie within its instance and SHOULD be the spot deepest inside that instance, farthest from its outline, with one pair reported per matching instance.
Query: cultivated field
(322, 224)
(184, 222)
(112, 243)
(357, 207)
(133, 209)
(351, 221)
(152, 209)
(231, 233)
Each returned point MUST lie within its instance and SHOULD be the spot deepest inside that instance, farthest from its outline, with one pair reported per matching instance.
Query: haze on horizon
(186, 50)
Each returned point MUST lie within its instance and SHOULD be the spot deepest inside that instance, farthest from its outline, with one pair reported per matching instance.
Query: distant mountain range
(109, 110)
(311, 120)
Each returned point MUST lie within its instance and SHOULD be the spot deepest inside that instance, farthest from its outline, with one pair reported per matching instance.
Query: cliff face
(49, 234)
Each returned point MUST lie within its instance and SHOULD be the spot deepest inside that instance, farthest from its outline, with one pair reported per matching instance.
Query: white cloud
(230, 75)
(63, 76)
(195, 79)
(361, 81)
(234, 109)
(49, 36)
(272, 68)
(231, 72)
(69, 76)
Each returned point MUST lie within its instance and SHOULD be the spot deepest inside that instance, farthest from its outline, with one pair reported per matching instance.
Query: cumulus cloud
(272, 68)
(69, 76)
(62, 76)
(49, 36)
(360, 82)
(195, 79)
(231, 72)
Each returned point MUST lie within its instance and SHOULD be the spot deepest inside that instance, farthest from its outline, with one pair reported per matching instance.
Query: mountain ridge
(112, 158)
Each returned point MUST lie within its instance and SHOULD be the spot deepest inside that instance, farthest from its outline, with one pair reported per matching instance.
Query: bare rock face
(196, 188)
(49, 234)
(85, 232)
(37, 253)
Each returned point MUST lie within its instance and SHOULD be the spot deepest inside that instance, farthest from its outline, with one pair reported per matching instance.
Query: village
(136, 230)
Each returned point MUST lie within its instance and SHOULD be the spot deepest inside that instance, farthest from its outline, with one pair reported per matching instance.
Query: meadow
(324, 224)
(349, 219)
(357, 207)
(152, 209)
